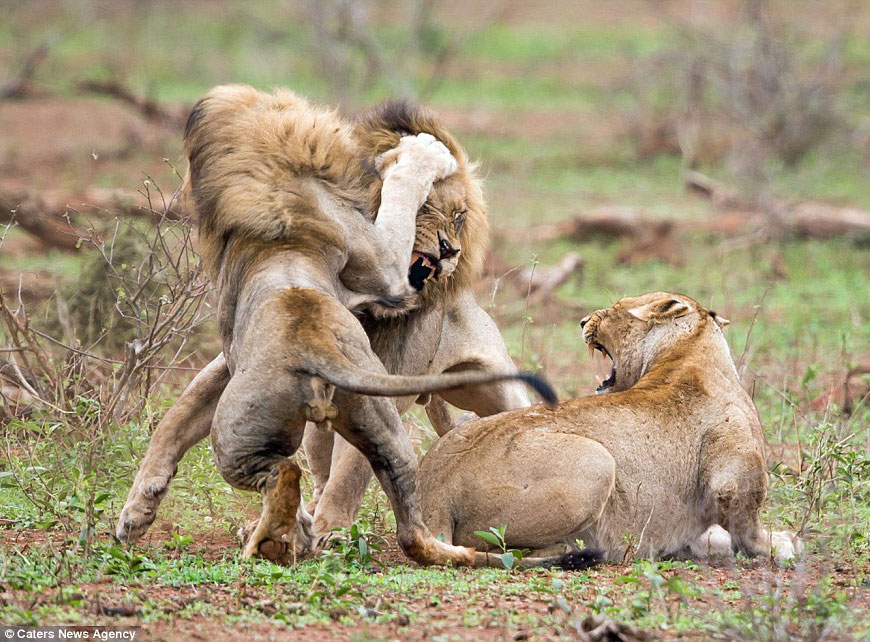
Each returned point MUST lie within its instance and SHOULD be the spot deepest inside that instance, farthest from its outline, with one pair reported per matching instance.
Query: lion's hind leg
(257, 425)
(279, 535)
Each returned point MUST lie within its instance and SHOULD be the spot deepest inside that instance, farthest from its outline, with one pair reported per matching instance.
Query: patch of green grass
(493, 90)
(543, 43)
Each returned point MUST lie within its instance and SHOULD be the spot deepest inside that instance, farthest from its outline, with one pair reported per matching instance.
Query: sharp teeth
(591, 349)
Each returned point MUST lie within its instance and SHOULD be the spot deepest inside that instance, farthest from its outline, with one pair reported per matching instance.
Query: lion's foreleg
(471, 341)
(420, 161)
(186, 423)
(439, 415)
(738, 485)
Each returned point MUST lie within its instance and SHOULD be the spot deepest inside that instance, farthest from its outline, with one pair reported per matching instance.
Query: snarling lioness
(673, 448)
(305, 217)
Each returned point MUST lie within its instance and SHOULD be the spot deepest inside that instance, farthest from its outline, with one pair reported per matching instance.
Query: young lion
(673, 449)
(284, 236)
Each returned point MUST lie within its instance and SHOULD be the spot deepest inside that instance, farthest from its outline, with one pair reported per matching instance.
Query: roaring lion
(305, 218)
(659, 465)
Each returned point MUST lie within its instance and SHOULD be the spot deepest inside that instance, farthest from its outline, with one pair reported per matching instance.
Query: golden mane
(255, 160)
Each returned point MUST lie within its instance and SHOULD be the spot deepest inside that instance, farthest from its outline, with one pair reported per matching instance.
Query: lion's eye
(459, 218)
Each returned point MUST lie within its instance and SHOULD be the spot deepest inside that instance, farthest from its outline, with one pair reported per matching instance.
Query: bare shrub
(762, 93)
(357, 46)
(65, 393)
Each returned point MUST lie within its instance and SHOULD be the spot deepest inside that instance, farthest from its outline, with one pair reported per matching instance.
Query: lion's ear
(719, 319)
(661, 310)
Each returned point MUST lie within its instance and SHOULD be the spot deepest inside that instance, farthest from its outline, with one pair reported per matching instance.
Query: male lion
(673, 449)
(283, 198)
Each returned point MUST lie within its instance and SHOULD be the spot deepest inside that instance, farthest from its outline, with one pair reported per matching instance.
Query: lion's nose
(447, 250)
(585, 320)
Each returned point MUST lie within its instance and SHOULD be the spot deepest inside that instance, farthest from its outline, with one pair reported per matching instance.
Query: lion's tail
(347, 376)
(573, 561)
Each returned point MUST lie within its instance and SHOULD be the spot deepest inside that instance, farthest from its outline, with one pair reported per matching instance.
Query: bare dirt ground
(113, 604)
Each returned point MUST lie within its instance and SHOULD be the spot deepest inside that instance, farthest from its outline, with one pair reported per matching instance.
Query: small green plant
(495, 537)
(179, 542)
(356, 544)
(124, 562)
(787, 612)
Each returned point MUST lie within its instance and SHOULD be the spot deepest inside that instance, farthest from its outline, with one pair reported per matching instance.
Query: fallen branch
(821, 221)
(808, 219)
(49, 216)
(19, 85)
(654, 238)
(721, 195)
(537, 283)
(51, 229)
(542, 281)
(151, 109)
(101, 202)
(648, 238)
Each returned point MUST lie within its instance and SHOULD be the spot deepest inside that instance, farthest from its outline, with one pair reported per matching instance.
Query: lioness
(672, 449)
(285, 237)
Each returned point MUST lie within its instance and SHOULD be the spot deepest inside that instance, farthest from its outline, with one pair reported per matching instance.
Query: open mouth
(607, 384)
(423, 267)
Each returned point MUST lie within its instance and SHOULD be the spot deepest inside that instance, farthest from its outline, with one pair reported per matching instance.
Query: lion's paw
(141, 509)
(427, 156)
(714, 543)
(785, 546)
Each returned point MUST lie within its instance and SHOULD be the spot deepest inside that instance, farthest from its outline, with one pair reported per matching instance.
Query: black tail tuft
(542, 387)
(579, 560)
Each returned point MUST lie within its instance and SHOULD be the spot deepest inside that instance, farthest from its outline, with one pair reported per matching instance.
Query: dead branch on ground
(52, 229)
(168, 116)
(655, 239)
(536, 283)
(722, 195)
(541, 282)
(19, 86)
(807, 219)
(648, 238)
(52, 216)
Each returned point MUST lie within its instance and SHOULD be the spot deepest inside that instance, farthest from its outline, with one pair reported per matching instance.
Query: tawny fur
(672, 450)
(266, 153)
(243, 138)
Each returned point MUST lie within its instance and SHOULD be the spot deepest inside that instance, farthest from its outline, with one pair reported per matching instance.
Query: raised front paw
(427, 156)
